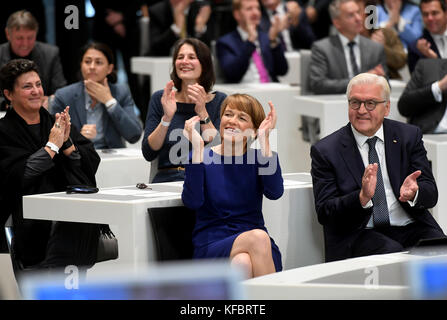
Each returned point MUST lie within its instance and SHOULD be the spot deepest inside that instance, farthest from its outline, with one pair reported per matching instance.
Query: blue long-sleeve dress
(227, 194)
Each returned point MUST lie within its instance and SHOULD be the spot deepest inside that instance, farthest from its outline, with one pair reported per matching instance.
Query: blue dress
(227, 194)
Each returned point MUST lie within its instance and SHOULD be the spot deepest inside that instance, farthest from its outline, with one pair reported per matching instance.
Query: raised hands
(425, 48)
(409, 187)
(264, 129)
(168, 101)
(369, 182)
(98, 91)
(202, 18)
(61, 129)
(198, 96)
(195, 138)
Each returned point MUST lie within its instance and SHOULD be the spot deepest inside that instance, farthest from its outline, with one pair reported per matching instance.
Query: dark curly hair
(12, 70)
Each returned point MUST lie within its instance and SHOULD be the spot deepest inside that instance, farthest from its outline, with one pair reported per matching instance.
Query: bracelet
(52, 146)
(165, 123)
(67, 144)
(111, 103)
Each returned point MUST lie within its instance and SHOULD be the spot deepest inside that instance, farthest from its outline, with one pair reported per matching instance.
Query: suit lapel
(339, 55)
(393, 146)
(351, 155)
(79, 107)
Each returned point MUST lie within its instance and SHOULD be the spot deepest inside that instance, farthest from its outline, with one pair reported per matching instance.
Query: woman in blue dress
(193, 77)
(225, 184)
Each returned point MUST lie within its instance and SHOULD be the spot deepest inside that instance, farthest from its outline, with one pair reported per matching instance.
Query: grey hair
(370, 78)
(334, 8)
(22, 19)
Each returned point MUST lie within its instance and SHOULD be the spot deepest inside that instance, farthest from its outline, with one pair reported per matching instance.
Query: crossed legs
(253, 251)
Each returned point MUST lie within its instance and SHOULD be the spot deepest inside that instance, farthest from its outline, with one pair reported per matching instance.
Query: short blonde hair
(370, 78)
(247, 104)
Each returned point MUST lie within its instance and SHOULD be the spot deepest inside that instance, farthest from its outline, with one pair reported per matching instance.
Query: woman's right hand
(168, 101)
(58, 130)
(190, 132)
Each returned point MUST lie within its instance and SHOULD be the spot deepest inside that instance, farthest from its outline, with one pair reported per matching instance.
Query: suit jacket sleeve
(57, 75)
(417, 96)
(234, 59)
(123, 115)
(319, 80)
(428, 191)
(333, 208)
(162, 38)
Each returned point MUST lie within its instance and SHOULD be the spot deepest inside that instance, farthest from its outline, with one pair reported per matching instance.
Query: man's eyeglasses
(370, 105)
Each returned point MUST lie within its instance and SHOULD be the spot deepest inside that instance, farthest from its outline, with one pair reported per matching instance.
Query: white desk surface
(344, 279)
(293, 75)
(158, 67)
(436, 146)
(122, 167)
(289, 219)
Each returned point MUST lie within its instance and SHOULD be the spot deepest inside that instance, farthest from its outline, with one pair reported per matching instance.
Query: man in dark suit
(372, 180)
(171, 20)
(21, 31)
(433, 43)
(424, 98)
(338, 58)
(247, 54)
(296, 32)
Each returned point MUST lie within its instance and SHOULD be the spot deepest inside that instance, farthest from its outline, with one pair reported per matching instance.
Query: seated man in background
(296, 32)
(424, 100)
(396, 57)
(336, 59)
(373, 184)
(433, 42)
(171, 20)
(21, 31)
(247, 54)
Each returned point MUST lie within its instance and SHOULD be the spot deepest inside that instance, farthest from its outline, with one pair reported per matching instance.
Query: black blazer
(417, 101)
(302, 36)
(162, 38)
(337, 170)
(414, 54)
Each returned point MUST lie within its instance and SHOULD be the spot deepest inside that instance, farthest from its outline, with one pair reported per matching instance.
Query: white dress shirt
(398, 216)
(437, 94)
(344, 43)
(252, 74)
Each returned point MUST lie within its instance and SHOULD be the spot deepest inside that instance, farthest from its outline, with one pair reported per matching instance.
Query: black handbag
(107, 245)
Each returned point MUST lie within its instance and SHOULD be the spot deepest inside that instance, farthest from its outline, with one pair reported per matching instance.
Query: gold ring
(57, 125)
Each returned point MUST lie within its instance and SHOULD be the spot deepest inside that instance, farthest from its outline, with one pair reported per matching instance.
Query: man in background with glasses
(372, 180)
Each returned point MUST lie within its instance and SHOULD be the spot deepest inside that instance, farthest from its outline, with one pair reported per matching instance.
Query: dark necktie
(355, 68)
(380, 207)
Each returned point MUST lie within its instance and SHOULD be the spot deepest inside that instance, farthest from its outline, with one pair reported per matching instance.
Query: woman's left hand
(99, 91)
(198, 96)
(264, 129)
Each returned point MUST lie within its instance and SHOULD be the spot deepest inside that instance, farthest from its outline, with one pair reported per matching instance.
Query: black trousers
(392, 239)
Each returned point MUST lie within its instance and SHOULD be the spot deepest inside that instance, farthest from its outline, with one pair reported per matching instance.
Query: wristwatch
(205, 121)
